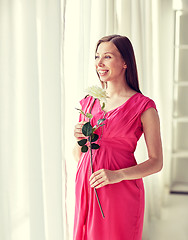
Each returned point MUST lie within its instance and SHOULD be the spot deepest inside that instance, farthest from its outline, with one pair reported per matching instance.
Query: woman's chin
(104, 80)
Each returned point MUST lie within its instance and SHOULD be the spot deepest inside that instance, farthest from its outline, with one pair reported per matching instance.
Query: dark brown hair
(125, 48)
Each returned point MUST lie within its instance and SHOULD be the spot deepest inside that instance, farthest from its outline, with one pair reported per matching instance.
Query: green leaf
(87, 129)
(103, 105)
(94, 129)
(82, 142)
(94, 137)
(84, 148)
(89, 115)
(95, 146)
(80, 110)
(100, 121)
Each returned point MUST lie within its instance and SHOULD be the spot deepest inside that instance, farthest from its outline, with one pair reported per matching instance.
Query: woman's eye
(96, 57)
(107, 56)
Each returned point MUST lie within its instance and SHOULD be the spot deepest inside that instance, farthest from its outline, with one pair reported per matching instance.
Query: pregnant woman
(117, 176)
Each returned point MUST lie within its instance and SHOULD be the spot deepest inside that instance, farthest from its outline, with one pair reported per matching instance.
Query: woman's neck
(118, 89)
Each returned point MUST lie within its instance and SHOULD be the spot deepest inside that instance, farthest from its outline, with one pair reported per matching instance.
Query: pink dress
(122, 203)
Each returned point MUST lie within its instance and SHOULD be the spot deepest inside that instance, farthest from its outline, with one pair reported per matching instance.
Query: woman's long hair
(125, 48)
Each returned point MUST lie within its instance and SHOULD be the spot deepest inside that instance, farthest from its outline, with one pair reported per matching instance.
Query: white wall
(166, 75)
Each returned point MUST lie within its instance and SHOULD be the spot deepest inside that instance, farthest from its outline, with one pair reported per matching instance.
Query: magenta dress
(122, 203)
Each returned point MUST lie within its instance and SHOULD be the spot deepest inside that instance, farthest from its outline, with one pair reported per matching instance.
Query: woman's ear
(125, 66)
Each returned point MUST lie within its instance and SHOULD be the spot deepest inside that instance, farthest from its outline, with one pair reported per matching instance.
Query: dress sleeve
(146, 104)
(82, 103)
(85, 106)
(149, 104)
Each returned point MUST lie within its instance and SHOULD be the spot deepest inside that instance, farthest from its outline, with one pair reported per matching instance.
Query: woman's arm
(77, 152)
(151, 129)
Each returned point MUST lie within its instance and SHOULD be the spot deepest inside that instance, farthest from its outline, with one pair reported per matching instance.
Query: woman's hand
(78, 131)
(104, 177)
(78, 135)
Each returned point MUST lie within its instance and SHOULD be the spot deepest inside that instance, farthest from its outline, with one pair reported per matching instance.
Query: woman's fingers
(96, 180)
(78, 130)
(104, 177)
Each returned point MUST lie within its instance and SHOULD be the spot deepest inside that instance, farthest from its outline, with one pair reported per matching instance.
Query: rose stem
(92, 172)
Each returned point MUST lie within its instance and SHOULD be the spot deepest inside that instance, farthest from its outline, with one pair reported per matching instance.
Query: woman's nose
(100, 62)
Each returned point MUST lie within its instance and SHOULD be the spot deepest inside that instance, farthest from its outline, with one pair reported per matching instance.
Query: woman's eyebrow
(106, 53)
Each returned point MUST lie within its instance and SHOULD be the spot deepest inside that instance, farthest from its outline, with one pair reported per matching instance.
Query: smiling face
(109, 64)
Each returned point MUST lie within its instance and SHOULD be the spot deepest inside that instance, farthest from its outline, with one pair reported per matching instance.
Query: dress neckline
(120, 105)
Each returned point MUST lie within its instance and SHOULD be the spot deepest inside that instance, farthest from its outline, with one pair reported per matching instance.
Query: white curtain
(139, 20)
(46, 62)
(31, 100)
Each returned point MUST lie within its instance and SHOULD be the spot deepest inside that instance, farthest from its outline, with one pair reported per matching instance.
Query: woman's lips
(102, 72)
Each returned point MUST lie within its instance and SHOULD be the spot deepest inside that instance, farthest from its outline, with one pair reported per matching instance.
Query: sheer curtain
(31, 146)
(46, 62)
(139, 20)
